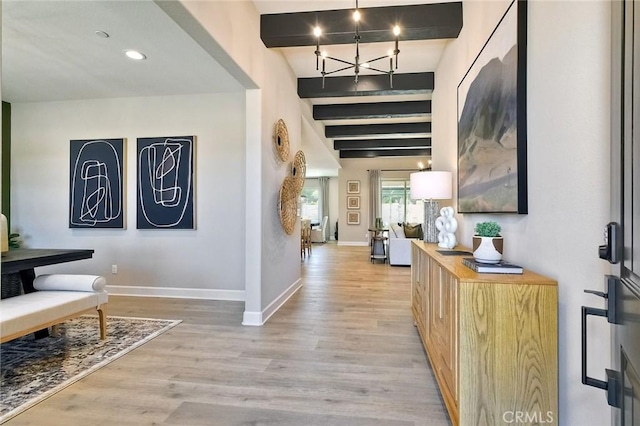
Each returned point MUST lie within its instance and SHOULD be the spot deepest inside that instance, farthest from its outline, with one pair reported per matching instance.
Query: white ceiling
(50, 52)
(287, 6)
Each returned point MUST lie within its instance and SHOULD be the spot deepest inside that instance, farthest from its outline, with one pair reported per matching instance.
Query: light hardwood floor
(342, 351)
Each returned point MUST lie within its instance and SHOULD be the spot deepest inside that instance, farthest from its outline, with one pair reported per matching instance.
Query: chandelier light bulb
(356, 62)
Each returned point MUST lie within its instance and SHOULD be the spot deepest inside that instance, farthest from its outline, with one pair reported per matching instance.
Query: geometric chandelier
(356, 65)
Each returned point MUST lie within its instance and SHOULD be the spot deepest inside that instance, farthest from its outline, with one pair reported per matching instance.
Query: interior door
(626, 205)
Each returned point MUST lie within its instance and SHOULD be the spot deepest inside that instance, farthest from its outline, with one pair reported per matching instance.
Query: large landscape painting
(492, 122)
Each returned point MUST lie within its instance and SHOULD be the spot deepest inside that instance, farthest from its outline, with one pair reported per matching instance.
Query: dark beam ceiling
(366, 130)
(372, 110)
(418, 22)
(384, 143)
(393, 138)
(368, 85)
(373, 153)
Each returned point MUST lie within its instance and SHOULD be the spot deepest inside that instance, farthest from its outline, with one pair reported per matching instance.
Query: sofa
(59, 297)
(400, 236)
(319, 234)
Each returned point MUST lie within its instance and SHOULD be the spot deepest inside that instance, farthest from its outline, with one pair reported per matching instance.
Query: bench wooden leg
(102, 315)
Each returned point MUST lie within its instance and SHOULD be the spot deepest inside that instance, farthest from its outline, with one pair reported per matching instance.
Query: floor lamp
(430, 186)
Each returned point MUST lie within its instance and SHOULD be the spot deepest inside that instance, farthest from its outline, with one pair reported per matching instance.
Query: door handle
(611, 299)
(613, 384)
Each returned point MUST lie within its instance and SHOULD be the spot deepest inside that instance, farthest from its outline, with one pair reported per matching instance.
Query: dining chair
(305, 238)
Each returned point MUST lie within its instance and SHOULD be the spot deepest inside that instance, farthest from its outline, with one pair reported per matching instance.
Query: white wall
(208, 258)
(568, 161)
(230, 31)
(357, 169)
(281, 252)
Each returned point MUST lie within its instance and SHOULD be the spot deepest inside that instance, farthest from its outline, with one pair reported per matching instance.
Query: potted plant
(487, 242)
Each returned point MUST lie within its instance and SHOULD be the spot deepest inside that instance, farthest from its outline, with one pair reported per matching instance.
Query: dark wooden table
(23, 262)
(24, 259)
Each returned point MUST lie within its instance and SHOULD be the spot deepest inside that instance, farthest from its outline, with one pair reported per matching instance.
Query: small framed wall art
(353, 202)
(353, 218)
(353, 187)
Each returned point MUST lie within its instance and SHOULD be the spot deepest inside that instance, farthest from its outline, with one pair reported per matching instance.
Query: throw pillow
(398, 231)
(413, 231)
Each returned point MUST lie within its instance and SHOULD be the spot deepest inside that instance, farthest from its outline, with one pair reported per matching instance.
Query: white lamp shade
(431, 185)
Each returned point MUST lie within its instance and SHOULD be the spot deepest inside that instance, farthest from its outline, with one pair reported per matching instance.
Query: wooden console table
(491, 338)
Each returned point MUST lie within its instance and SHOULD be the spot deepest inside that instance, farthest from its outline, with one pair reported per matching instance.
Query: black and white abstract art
(165, 183)
(96, 184)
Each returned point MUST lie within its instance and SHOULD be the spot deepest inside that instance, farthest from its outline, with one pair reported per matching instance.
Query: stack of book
(501, 267)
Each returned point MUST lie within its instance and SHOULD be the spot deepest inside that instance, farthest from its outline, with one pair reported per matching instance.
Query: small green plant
(14, 241)
(488, 229)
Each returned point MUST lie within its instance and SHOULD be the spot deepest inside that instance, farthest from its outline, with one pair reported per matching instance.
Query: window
(397, 205)
(309, 205)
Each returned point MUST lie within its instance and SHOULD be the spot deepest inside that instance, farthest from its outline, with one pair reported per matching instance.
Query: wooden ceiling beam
(368, 85)
(367, 130)
(417, 22)
(373, 153)
(404, 143)
(372, 110)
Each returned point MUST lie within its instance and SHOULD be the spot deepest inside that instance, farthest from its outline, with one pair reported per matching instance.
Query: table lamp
(430, 186)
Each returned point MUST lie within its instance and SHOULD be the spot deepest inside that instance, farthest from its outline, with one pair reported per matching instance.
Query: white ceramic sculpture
(447, 225)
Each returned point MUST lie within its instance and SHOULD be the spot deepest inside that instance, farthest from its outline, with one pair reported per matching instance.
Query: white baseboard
(178, 293)
(252, 318)
(353, 243)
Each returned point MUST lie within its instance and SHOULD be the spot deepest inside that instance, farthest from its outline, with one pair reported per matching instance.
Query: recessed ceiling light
(102, 34)
(134, 54)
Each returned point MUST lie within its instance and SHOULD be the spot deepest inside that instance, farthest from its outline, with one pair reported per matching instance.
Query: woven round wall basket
(299, 170)
(288, 205)
(281, 140)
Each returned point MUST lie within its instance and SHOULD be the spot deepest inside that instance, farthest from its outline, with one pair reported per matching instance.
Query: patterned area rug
(32, 370)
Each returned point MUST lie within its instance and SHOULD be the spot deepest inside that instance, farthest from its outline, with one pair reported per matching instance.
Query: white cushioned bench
(59, 298)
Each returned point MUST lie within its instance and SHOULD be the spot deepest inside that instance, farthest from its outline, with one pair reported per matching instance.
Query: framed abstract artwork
(353, 218)
(165, 187)
(492, 121)
(353, 202)
(353, 187)
(96, 183)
